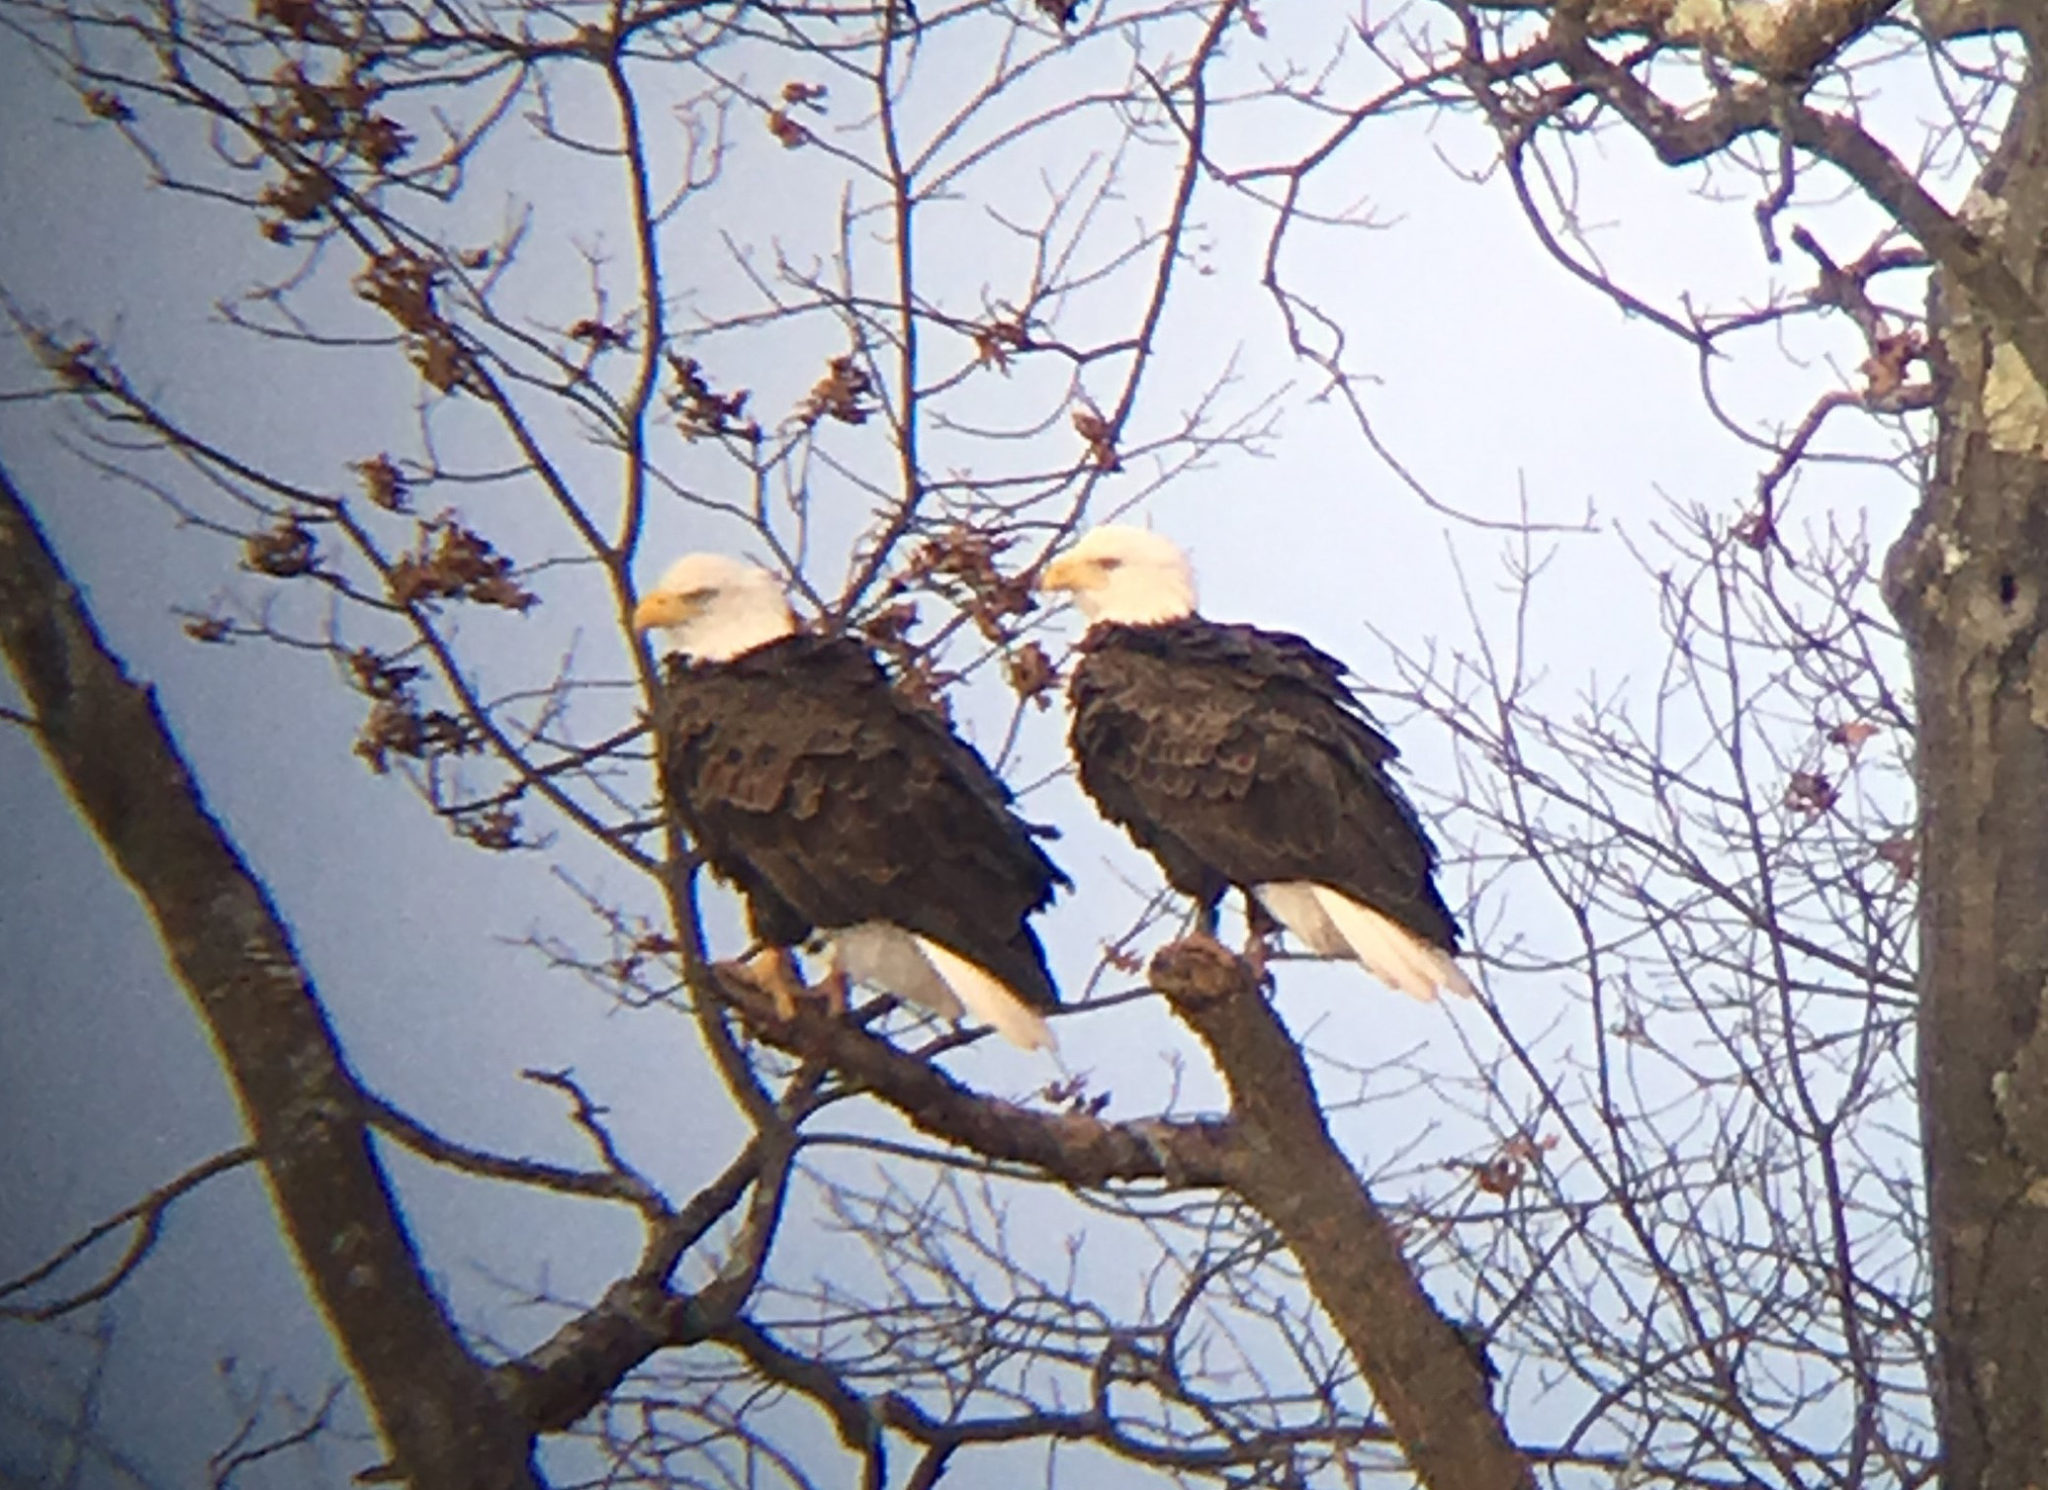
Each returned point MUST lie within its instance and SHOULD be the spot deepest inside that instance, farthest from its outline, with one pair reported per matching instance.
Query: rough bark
(1969, 582)
(584, 1361)
(444, 1427)
(1074, 1148)
(1285, 1164)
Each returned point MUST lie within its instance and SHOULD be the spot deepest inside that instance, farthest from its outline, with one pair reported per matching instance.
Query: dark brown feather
(1237, 756)
(830, 801)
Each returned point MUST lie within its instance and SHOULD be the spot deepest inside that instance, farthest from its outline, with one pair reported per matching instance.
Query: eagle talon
(1258, 952)
(1262, 940)
(773, 969)
(740, 970)
(833, 990)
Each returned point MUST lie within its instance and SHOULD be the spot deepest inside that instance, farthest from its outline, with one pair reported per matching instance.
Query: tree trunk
(445, 1427)
(1426, 1380)
(1969, 582)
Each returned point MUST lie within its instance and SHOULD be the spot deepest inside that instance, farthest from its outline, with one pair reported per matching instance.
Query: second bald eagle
(1238, 757)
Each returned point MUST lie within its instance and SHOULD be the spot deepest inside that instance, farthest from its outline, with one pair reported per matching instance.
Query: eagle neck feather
(742, 632)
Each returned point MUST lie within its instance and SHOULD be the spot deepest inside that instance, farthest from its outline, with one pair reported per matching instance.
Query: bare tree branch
(1422, 1373)
(146, 1216)
(106, 740)
(1075, 1148)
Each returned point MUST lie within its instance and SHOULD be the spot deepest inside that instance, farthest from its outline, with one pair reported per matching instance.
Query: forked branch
(107, 742)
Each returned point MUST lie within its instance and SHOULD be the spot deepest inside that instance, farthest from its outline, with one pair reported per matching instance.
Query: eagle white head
(712, 608)
(1124, 575)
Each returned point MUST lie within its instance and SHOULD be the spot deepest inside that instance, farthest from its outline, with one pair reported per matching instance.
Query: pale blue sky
(1494, 374)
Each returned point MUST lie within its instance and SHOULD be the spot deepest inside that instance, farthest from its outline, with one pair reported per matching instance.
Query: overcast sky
(1497, 378)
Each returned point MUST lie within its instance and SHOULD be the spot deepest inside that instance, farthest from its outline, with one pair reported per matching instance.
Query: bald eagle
(1238, 757)
(842, 812)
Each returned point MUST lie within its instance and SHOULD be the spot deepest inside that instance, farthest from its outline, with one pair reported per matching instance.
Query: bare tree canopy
(1733, 1176)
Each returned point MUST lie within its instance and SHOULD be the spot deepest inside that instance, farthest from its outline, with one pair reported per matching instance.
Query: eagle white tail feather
(935, 978)
(887, 957)
(1334, 925)
(1294, 905)
(987, 998)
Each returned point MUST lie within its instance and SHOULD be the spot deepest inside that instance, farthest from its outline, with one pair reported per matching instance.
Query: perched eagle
(840, 810)
(1238, 757)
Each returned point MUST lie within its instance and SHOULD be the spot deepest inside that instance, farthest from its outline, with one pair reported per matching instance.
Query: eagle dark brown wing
(829, 801)
(1238, 757)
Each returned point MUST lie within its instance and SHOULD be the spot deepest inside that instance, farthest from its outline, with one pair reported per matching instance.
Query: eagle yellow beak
(662, 608)
(1069, 572)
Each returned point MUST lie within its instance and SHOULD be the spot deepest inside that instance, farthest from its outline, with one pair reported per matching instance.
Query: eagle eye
(1108, 563)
